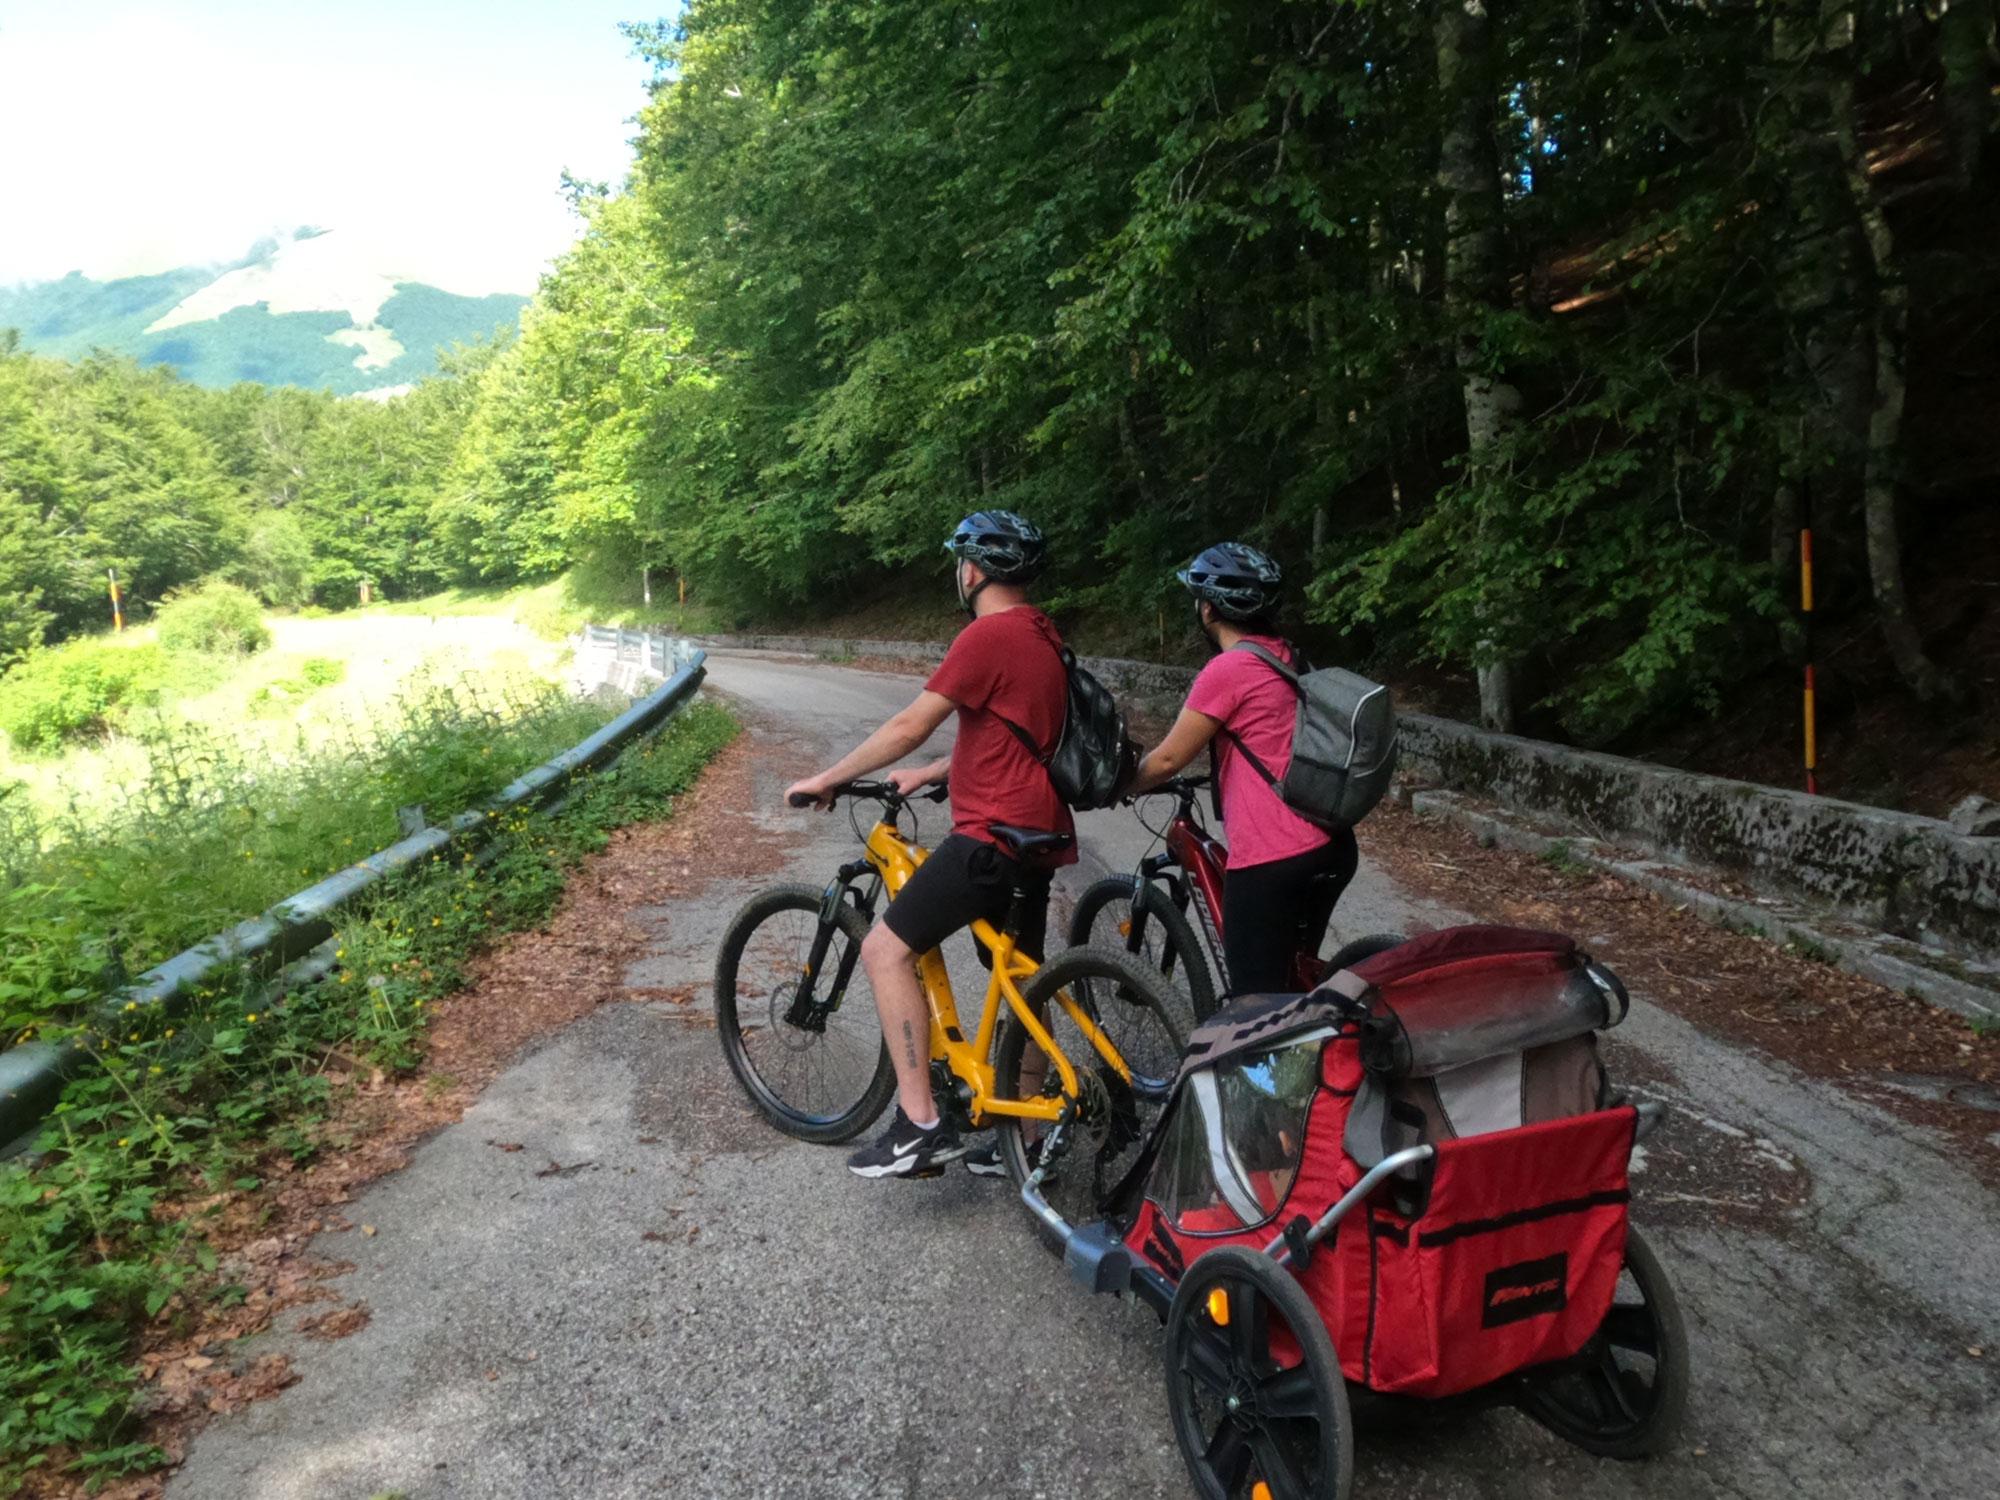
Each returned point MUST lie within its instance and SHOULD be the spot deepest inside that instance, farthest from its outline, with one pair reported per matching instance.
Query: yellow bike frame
(896, 860)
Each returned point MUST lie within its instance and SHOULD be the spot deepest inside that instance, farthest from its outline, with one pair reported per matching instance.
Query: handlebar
(1183, 787)
(876, 791)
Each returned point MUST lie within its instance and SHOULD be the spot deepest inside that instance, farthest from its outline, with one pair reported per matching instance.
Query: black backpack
(1094, 759)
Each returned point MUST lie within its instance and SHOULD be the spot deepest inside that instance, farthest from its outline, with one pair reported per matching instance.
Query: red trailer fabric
(1512, 1262)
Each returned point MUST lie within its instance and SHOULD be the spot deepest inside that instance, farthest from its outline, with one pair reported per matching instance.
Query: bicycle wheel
(1625, 1395)
(1128, 1002)
(1253, 1385)
(1152, 930)
(1350, 954)
(821, 1076)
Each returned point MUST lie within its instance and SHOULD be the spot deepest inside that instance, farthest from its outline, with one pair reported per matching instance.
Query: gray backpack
(1343, 744)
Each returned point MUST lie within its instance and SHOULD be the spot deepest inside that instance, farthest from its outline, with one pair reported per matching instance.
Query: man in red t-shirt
(1005, 678)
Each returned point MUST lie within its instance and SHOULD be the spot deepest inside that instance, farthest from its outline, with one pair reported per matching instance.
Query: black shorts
(963, 880)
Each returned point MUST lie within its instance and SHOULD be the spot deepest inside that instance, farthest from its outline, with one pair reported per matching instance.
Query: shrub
(322, 671)
(76, 691)
(315, 672)
(218, 617)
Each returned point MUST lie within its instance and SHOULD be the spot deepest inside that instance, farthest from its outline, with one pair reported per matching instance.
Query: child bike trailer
(1411, 1182)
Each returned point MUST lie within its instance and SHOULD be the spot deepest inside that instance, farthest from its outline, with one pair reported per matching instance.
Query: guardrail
(624, 659)
(32, 1075)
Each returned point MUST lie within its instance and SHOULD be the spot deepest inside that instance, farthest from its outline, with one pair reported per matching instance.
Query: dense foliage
(298, 496)
(1525, 332)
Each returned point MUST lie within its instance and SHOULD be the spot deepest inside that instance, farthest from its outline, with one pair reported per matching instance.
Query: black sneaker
(984, 1161)
(904, 1150)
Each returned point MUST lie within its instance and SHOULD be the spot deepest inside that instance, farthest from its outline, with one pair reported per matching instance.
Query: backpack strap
(1067, 658)
(1275, 662)
(1272, 660)
(1249, 755)
(1027, 740)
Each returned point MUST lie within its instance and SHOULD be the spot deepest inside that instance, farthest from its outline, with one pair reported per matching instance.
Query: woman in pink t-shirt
(1273, 901)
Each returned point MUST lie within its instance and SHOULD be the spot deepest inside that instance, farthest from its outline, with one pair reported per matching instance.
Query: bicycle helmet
(1239, 581)
(1007, 548)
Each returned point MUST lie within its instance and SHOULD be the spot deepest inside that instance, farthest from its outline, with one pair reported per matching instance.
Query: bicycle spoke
(1279, 1472)
(1290, 1394)
(1630, 1328)
(1208, 1361)
(1227, 1455)
(1249, 1325)
(1614, 1397)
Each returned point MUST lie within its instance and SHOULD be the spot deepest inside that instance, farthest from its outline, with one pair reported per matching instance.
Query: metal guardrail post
(32, 1075)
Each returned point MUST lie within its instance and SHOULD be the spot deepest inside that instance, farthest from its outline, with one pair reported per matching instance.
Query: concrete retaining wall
(1915, 877)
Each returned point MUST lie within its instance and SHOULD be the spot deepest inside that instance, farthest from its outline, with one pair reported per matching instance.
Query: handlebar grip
(799, 799)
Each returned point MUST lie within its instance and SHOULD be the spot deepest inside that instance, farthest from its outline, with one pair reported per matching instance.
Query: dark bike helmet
(1007, 548)
(1241, 582)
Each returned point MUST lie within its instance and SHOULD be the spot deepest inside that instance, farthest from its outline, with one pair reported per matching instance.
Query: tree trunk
(1824, 272)
(1475, 281)
(1890, 323)
(1965, 42)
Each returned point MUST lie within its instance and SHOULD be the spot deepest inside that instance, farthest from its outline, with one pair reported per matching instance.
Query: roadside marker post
(117, 604)
(1811, 703)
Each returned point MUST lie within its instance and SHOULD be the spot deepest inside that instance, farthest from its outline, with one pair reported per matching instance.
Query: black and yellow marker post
(1811, 702)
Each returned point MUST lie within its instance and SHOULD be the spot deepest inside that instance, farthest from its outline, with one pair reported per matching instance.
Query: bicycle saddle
(1029, 844)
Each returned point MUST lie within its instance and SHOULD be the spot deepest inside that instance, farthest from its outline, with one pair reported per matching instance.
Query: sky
(141, 137)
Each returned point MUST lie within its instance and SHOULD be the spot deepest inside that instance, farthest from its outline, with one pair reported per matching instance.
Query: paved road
(714, 1310)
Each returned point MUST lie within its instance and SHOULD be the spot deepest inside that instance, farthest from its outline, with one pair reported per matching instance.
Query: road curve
(712, 1310)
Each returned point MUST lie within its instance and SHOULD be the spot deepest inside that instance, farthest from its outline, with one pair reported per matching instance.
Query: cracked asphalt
(702, 1307)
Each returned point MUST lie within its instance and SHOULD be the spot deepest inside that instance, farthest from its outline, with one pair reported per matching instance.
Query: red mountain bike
(1146, 912)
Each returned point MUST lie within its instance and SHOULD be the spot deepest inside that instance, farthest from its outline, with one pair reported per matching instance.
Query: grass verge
(107, 1228)
(221, 827)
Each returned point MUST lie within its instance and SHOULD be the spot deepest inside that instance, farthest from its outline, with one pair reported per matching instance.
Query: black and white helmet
(1241, 582)
(1007, 548)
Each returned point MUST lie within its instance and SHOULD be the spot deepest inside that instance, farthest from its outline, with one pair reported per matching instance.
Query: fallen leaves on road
(680, 994)
(338, 1323)
(1820, 1019)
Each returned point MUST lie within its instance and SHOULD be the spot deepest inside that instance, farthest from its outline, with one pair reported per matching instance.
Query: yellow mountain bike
(1069, 1062)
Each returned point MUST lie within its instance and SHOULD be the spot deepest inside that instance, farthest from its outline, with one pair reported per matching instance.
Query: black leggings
(1271, 911)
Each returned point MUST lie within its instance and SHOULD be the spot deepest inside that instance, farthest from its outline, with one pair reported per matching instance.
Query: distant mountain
(311, 310)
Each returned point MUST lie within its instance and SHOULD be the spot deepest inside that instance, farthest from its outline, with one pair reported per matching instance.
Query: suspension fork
(1155, 880)
(807, 1010)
